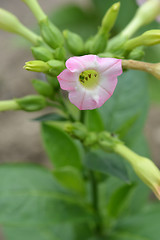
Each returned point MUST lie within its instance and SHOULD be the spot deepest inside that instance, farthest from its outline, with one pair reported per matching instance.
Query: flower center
(89, 78)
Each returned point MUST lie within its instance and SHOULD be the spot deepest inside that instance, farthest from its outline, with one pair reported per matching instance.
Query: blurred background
(19, 135)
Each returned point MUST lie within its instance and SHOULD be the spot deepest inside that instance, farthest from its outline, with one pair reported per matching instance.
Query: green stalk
(36, 9)
(95, 201)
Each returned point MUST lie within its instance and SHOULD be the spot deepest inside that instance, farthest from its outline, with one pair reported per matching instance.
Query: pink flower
(90, 80)
(140, 2)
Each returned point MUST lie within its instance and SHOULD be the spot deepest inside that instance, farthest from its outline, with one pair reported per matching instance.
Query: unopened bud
(144, 15)
(42, 53)
(96, 44)
(110, 17)
(107, 142)
(51, 34)
(9, 105)
(53, 67)
(148, 38)
(77, 130)
(60, 54)
(74, 42)
(56, 67)
(37, 66)
(91, 139)
(143, 167)
(31, 103)
(43, 88)
(136, 54)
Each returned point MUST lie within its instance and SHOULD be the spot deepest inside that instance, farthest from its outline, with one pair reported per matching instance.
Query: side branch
(152, 68)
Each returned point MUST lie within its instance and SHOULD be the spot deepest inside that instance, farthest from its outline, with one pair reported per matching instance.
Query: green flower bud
(144, 15)
(74, 42)
(56, 67)
(43, 88)
(31, 103)
(77, 130)
(8, 105)
(42, 53)
(110, 17)
(143, 167)
(91, 139)
(37, 66)
(107, 142)
(148, 38)
(137, 53)
(60, 54)
(10, 23)
(53, 67)
(51, 34)
(96, 44)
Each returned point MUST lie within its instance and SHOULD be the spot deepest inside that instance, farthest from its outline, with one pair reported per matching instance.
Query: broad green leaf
(93, 121)
(130, 99)
(127, 236)
(106, 163)
(30, 197)
(50, 117)
(119, 200)
(65, 231)
(70, 178)
(144, 224)
(127, 126)
(60, 147)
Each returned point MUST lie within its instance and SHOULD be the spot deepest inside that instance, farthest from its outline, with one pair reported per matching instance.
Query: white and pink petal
(68, 80)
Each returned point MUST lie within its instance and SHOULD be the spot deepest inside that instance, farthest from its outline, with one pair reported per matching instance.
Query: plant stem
(152, 68)
(82, 116)
(29, 35)
(94, 193)
(36, 9)
(61, 100)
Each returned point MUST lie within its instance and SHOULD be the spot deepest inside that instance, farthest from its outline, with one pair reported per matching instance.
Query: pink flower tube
(90, 80)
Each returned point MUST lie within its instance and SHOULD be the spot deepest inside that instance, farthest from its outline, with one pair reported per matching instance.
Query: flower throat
(89, 78)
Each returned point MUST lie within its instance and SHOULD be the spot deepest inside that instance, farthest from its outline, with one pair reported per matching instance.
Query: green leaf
(31, 197)
(70, 178)
(93, 121)
(129, 100)
(70, 231)
(126, 235)
(107, 164)
(60, 147)
(119, 200)
(50, 117)
(144, 224)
